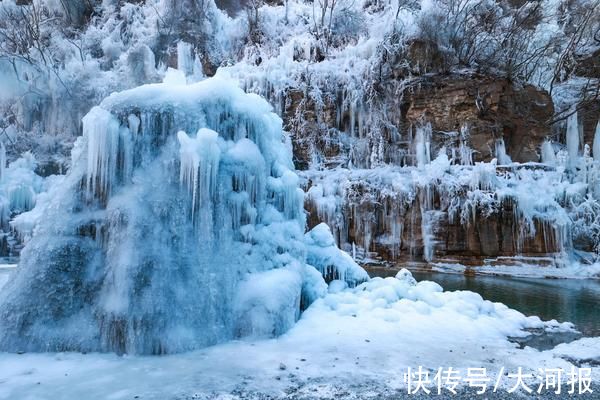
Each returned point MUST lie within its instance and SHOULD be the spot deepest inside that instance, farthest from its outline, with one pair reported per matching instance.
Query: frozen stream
(573, 300)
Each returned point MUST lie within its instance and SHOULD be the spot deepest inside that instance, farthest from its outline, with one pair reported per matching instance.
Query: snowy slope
(361, 340)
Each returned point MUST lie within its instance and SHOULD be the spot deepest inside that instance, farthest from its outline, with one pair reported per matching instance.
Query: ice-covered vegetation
(59, 58)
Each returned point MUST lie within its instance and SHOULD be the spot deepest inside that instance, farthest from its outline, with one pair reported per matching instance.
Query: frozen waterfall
(179, 225)
(573, 140)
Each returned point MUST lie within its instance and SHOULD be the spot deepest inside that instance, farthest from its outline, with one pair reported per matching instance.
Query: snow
(331, 262)
(584, 350)
(362, 339)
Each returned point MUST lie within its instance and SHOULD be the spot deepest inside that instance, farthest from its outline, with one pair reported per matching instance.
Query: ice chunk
(405, 276)
(332, 262)
(268, 303)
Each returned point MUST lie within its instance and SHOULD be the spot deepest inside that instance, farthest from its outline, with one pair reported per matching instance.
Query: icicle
(588, 162)
(501, 156)
(465, 152)
(573, 140)
(174, 77)
(2, 160)
(596, 149)
(185, 58)
(102, 131)
(134, 124)
(291, 197)
(422, 147)
(199, 159)
(126, 153)
(548, 155)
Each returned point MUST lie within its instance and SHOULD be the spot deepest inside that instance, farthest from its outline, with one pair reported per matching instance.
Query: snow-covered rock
(333, 263)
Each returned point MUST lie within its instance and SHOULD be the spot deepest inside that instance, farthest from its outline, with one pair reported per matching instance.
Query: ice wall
(444, 211)
(166, 233)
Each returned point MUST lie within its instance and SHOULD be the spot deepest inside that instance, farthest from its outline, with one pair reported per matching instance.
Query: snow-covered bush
(347, 27)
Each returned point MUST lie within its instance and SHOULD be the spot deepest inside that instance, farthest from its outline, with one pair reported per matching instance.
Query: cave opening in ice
(179, 225)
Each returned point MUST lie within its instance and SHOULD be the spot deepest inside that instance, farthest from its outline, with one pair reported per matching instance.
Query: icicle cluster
(179, 225)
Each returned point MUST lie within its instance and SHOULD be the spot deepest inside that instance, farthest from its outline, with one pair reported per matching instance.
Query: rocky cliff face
(464, 110)
(491, 109)
(442, 213)
(452, 174)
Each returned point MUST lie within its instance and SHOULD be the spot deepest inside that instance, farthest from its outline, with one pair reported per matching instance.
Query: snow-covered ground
(358, 341)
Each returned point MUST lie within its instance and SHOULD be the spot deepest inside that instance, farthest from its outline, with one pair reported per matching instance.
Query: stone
(492, 108)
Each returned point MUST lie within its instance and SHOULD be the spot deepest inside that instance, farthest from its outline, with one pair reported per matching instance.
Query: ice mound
(402, 300)
(327, 258)
(179, 225)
